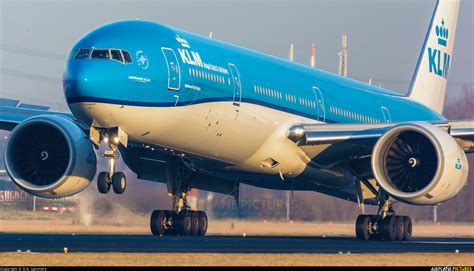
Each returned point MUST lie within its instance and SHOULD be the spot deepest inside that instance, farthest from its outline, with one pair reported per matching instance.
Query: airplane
(194, 112)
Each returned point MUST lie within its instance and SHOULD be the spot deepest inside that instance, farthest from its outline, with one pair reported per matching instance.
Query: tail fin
(428, 85)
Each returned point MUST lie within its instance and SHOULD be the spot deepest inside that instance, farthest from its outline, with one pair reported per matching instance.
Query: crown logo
(442, 33)
(183, 42)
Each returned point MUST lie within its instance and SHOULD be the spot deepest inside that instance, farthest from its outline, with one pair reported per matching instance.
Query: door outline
(170, 86)
(320, 106)
(237, 84)
(386, 114)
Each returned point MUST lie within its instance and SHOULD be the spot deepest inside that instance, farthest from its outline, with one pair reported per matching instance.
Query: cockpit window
(126, 57)
(113, 54)
(100, 54)
(82, 53)
(116, 55)
(73, 53)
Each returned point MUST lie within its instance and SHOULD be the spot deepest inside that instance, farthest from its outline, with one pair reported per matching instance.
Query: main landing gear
(385, 225)
(116, 180)
(185, 222)
(181, 220)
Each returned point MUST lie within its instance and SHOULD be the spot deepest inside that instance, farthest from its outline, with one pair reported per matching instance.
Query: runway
(12, 242)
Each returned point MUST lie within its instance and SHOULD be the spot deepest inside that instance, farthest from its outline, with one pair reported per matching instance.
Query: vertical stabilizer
(428, 85)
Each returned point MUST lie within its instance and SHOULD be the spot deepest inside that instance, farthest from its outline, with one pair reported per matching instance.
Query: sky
(384, 36)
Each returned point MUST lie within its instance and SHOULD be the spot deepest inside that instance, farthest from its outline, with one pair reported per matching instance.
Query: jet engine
(419, 163)
(50, 156)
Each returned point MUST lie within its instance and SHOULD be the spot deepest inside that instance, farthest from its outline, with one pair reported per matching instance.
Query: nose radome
(77, 81)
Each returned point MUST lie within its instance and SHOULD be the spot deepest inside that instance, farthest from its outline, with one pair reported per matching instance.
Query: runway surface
(11, 242)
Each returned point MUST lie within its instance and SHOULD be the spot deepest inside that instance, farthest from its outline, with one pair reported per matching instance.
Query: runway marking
(223, 244)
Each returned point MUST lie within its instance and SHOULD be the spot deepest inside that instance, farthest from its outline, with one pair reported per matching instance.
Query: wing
(352, 145)
(367, 134)
(334, 144)
(12, 112)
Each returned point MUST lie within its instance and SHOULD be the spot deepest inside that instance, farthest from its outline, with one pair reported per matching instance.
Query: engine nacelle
(50, 156)
(419, 163)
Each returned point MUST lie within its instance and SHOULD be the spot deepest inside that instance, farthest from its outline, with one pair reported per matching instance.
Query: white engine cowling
(50, 156)
(419, 163)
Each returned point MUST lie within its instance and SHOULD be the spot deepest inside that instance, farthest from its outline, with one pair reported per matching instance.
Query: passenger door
(320, 104)
(236, 84)
(386, 114)
(174, 73)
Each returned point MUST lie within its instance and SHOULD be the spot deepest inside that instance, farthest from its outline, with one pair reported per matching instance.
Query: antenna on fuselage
(210, 35)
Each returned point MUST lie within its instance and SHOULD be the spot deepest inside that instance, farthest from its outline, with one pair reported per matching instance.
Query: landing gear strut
(116, 180)
(181, 220)
(385, 225)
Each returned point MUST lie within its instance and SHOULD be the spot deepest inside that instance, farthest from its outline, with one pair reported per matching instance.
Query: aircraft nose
(78, 81)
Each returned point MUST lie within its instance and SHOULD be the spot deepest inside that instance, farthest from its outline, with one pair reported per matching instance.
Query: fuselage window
(83, 53)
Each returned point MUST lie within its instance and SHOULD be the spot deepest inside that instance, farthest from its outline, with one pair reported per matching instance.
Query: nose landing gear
(116, 180)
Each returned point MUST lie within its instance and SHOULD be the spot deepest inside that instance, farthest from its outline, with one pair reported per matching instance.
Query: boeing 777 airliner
(194, 112)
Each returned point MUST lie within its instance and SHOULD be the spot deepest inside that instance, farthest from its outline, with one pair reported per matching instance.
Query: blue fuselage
(207, 69)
